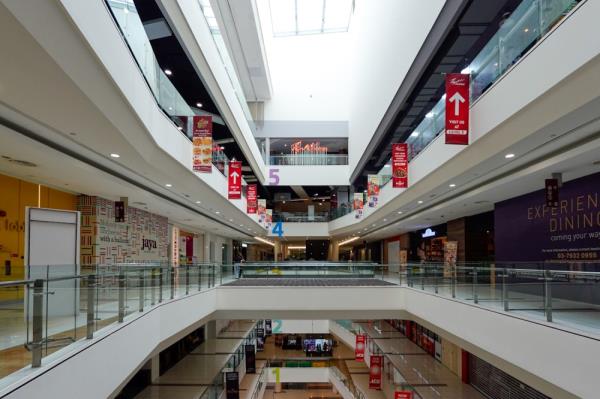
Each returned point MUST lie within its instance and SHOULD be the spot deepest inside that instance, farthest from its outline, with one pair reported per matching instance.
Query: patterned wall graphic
(142, 238)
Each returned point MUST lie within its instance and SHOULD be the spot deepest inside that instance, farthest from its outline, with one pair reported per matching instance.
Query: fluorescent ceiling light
(509, 156)
(264, 241)
(297, 247)
(347, 241)
(114, 155)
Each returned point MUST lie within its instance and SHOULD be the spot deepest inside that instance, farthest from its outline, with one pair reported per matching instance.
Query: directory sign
(400, 165)
(359, 351)
(375, 371)
(403, 395)
(457, 108)
(251, 200)
(202, 143)
(235, 180)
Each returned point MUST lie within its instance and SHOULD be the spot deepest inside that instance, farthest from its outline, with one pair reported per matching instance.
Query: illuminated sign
(428, 233)
(308, 149)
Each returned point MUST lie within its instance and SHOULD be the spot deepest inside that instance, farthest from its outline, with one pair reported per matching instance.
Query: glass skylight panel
(303, 17)
(310, 16)
(337, 15)
(283, 17)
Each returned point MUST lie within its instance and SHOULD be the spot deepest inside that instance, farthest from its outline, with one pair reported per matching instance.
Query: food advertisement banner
(400, 165)
(251, 200)
(202, 143)
(269, 218)
(375, 372)
(359, 351)
(457, 108)
(373, 190)
(262, 211)
(358, 205)
(526, 229)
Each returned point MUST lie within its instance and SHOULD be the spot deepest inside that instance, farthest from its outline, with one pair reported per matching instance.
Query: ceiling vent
(22, 163)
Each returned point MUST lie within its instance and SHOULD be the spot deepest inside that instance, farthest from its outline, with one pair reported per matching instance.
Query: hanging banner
(400, 165)
(234, 188)
(359, 351)
(262, 211)
(119, 211)
(375, 371)
(202, 143)
(260, 339)
(457, 108)
(250, 353)
(551, 193)
(268, 327)
(232, 385)
(251, 201)
(269, 218)
(358, 205)
(373, 190)
(403, 395)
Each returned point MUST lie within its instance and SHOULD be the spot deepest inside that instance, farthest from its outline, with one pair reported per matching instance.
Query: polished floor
(308, 282)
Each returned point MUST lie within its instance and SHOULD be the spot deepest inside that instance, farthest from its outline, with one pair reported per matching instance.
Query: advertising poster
(249, 351)
(260, 339)
(358, 205)
(232, 385)
(450, 255)
(234, 186)
(268, 327)
(359, 351)
(400, 165)
(251, 199)
(457, 108)
(202, 143)
(262, 211)
(403, 395)
(269, 218)
(375, 371)
(526, 229)
(373, 190)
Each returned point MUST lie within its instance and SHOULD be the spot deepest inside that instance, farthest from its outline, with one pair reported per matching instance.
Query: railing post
(453, 272)
(475, 297)
(548, 295)
(121, 296)
(423, 277)
(409, 280)
(141, 290)
(172, 282)
(187, 279)
(199, 277)
(160, 284)
(435, 278)
(91, 286)
(153, 286)
(38, 323)
(505, 289)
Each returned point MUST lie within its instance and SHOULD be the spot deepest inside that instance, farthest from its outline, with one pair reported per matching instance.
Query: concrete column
(334, 251)
(210, 329)
(277, 250)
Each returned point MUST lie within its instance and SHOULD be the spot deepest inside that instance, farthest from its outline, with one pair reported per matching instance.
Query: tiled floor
(301, 394)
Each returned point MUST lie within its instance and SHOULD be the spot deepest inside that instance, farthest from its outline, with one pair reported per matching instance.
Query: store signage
(375, 371)
(373, 190)
(358, 205)
(400, 165)
(234, 190)
(250, 354)
(403, 395)
(232, 385)
(457, 108)
(359, 351)
(314, 148)
(552, 193)
(148, 244)
(428, 233)
(251, 200)
(119, 211)
(202, 143)
(262, 211)
(175, 246)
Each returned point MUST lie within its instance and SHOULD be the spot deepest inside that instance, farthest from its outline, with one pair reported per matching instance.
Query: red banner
(251, 199)
(359, 351)
(400, 165)
(235, 180)
(457, 108)
(375, 371)
(202, 144)
(403, 395)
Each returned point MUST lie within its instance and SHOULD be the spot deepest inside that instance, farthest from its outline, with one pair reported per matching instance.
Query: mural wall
(143, 237)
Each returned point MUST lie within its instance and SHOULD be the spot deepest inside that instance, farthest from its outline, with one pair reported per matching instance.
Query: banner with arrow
(235, 180)
(457, 108)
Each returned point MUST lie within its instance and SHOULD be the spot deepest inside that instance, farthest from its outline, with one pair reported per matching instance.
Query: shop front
(429, 245)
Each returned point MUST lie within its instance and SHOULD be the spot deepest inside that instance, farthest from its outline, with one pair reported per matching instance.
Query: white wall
(312, 175)
(386, 36)
(300, 326)
(299, 374)
(303, 229)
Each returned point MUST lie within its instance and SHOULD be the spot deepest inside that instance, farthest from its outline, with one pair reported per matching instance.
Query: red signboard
(457, 108)
(403, 395)
(235, 180)
(400, 165)
(251, 199)
(359, 351)
(375, 371)
(202, 143)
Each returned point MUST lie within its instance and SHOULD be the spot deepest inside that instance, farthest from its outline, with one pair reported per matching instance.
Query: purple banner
(527, 230)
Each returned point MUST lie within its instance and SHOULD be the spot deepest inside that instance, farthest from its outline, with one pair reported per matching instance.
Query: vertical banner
(400, 165)
(262, 211)
(373, 190)
(260, 339)
(249, 351)
(457, 108)
(202, 143)
(551, 193)
(375, 371)
(359, 351)
(251, 198)
(268, 327)
(234, 188)
(403, 395)
(358, 205)
(269, 218)
(232, 385)
(119, 211)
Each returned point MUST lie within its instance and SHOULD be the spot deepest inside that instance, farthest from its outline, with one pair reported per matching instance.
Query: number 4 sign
(278, 229)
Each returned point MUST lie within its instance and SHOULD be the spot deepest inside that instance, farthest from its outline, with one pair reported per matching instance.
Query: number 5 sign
(274, 177)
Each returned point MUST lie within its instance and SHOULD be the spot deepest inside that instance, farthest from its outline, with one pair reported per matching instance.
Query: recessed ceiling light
(199, 105)
(509, 156)
(114, 155)
(180, 128)
(217, 212)
(399, 212)
(168, 185)
(452, 185)
(420, 202)
(414, 134)
(385, 220)
(231, 220)
(168, 72)
(429, 115)
(198, 202)
(373, 224)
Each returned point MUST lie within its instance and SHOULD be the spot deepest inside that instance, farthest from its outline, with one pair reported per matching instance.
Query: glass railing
(530, 21)
(300, 362)
(297, 217)
(355, 392)
(308, 159)
(309, 269)
(262, 381)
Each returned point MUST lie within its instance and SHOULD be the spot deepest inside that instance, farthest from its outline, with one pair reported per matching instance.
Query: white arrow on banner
(235, 176)
(456, 99)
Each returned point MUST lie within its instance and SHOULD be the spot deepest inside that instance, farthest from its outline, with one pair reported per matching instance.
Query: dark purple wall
(525, 230)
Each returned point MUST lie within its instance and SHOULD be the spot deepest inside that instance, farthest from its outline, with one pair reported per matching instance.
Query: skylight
(307, 17)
